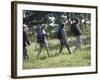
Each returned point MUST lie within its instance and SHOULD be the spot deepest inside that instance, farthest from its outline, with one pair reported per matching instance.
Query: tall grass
(64, 59)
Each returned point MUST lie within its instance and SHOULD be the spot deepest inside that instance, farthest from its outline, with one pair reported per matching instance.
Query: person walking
(25, 43)
(61, 35)
(76, 31)
(42, 39)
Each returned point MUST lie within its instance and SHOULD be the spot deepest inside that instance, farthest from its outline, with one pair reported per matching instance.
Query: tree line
(53, 19)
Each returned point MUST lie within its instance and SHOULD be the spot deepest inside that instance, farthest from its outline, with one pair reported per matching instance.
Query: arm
(78, 29)
(44, 33)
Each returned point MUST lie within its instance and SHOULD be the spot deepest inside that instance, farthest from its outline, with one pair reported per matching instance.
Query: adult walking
(63, 39)
(76, 31)
(25, 43)
(42, 39)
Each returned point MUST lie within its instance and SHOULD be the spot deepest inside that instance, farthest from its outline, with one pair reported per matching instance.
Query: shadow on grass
(42, 58)
(53, 55)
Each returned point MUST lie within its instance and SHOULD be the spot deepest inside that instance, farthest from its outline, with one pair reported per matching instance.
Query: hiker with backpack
(42, 39)
(61, 35)
(76, 31)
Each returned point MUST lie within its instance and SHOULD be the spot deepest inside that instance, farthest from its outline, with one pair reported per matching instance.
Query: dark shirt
(64, 37)
(75, 29)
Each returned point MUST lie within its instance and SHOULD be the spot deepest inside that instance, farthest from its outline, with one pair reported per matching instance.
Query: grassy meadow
(56, 59)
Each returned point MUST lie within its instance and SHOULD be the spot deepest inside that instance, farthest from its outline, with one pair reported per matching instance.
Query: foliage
(52, 20)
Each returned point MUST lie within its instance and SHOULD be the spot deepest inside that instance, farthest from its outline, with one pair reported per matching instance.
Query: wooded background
(53, 19)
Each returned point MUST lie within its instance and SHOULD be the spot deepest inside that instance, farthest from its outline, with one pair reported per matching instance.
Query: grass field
(64, 59)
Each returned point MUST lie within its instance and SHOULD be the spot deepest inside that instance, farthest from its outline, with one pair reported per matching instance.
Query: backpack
(40, 36)
(59, 35)
(73, 27)
(75, 31)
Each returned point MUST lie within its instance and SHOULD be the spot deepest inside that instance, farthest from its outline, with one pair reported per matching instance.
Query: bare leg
(47, 51)
(39, 51)
(67, 47)
(61, 47)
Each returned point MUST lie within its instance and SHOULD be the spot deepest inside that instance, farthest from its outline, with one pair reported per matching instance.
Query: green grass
(64, 59)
